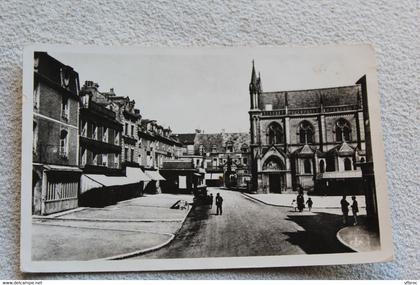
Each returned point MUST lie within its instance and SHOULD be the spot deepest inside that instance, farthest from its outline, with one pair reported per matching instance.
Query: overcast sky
(190, 88)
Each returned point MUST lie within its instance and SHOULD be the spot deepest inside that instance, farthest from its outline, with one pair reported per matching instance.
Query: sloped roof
(220, 140)
(334, 96)
(342, 149)
(186, 138)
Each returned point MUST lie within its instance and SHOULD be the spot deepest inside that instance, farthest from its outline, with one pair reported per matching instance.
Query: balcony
(99, 145)
(341, 108)
(274, 113)
(99, 110)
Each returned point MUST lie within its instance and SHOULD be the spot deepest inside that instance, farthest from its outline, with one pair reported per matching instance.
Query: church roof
(334, 96)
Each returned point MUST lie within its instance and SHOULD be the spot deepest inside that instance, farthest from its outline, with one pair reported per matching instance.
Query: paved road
(249, 228)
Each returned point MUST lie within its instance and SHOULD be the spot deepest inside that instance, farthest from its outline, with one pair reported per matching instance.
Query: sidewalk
(319, 202)
(359, 238)
(128, 228)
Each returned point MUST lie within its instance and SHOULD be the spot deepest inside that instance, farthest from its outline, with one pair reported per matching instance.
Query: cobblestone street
(250, 228)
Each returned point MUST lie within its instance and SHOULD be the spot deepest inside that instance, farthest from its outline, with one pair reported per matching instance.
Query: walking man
(219, 202)
(345, 209)
(309, 203)
(354, 209)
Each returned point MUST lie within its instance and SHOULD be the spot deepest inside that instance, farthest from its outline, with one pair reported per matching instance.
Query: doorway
(275, 183)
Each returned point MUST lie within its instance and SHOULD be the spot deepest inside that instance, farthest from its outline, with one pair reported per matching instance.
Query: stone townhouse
(55, 176)
(100, 132)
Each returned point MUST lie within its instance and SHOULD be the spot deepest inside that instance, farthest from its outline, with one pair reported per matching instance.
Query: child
(294, 204)
(310, 203)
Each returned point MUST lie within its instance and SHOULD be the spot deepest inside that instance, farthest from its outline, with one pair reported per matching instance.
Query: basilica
(311, 140)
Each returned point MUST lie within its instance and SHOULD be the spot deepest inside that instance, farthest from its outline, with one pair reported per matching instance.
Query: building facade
(100, 132)
(306, 139)
(55, 173)
(130, 118)
(225, 157)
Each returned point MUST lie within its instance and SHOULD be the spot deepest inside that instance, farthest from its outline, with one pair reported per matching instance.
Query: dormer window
(244, 148)
(65, 78)
(213, 148)
(229, 147)
(201, 149)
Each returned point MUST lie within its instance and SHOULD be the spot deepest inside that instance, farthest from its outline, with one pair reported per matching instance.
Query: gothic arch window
(275, 133)
(307, 166)
(347, 164)
(322, 166)
(306, 132)
(342, 130)
(273, 163)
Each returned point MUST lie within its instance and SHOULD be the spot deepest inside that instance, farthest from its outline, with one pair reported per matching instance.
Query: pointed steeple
(259, 83)
(253, 74)
(253, 83)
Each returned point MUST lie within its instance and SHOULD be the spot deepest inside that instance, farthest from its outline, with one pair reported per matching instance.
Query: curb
(108, 220)
(150, 249)
(258, 200)
(137, 252)
(343, 242)
(276, 205)
(55, 215)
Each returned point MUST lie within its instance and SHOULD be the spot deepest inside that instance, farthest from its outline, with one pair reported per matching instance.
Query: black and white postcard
(138, 159)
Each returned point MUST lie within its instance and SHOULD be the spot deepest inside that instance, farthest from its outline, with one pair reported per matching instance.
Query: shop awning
(62, 168)
(133, 175)
(154, 175)
(136, 173)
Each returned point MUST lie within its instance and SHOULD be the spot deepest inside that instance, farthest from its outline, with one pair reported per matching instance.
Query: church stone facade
(310, 140)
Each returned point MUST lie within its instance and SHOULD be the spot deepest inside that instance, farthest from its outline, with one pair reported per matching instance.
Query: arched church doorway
(274, 174)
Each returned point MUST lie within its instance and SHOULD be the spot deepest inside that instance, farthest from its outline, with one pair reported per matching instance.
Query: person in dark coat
(300, 202)
(354, 209)
(345, 209)
(309, 202)
(211, 200)
(219, 202)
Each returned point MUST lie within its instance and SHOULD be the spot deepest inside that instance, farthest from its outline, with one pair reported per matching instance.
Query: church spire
(253, 84)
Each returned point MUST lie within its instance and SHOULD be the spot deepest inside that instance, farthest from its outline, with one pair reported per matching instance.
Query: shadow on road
(319, 235)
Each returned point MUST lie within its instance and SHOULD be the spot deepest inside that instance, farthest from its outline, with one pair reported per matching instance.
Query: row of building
(86, 139)
(91, 147)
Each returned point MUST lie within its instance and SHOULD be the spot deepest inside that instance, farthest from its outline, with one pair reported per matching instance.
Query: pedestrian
(309, 203)
(294, 204)
(345, 209)
(354, 209)
(219, 202)
(211, 200)
(300, 202)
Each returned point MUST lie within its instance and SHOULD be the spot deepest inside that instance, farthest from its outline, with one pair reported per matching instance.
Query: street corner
(52, 242)
(359, 238)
